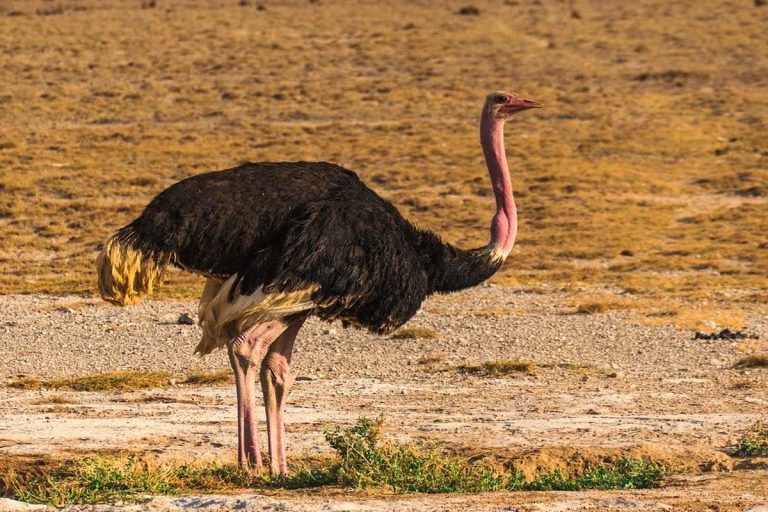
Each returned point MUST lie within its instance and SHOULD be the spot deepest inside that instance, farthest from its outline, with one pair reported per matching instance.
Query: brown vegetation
(645, 172)
(208, 378)
(498, 368)
(118, 381)
(753, 361)
(415, 332)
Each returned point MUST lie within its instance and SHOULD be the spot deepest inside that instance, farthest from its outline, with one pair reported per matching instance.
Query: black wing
(214, 223)
(357, 252)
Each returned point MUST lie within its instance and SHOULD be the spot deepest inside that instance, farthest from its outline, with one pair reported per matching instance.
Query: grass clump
(101, 480)
(97, 479)
(122, 381)
(591, 308)
(753, 361)
(433, 358)
(109, 381)
(754, 442)
(623, 474)
(54, 400)
(415, 332)
(366, 461)
(208, 378)
(498, 368)
(362, 459)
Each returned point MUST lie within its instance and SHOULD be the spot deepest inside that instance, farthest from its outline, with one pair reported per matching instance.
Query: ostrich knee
(254, 343)
(276, 367)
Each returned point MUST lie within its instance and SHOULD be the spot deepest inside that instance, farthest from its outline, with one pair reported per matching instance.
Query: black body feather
(294, 225)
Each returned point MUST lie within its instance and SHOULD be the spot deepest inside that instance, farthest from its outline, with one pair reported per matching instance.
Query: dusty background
(642, 189)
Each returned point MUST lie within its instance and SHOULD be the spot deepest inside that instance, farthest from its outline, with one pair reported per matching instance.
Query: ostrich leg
(246, 353)
(276, 382)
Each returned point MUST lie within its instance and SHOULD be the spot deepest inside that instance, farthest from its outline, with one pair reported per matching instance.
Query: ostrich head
(502, 104)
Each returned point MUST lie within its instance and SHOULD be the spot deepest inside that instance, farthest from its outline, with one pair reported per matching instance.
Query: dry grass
(741, 385)
(700, 315)
(54, 400)
(119, 381)
(578, 369)
(498, 368)
(645, 171)
(591, 308)
(109, 381)
(415, 332)
(510, 367)
(432, 359)
(753, 361)
(208, 378)
(489, 312)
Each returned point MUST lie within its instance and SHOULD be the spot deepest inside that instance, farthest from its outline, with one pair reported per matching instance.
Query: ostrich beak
(518, 104)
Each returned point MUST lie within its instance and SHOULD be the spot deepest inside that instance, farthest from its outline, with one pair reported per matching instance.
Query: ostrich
(280, 241)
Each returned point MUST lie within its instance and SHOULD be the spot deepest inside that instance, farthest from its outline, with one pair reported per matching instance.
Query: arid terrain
(602, 385)
(642, 190)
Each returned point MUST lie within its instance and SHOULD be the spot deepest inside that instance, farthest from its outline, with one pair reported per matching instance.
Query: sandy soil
(631, 388)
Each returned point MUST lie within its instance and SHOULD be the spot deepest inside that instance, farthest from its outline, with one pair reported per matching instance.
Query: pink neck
(504, 224)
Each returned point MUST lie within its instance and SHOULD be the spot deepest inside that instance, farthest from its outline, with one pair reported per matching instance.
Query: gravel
(47, 336)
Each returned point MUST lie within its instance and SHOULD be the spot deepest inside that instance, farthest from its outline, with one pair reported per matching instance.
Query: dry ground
(642, 190)
(603, 385)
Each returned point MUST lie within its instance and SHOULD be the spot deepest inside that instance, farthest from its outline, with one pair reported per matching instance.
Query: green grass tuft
(362, 459)
(754, 442)
(623, 474)
(366, 461)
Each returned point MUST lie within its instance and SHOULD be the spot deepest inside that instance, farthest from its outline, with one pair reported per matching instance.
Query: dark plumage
(288, 225)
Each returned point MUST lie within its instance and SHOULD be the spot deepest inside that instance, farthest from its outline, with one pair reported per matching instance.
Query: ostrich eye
(502, 99)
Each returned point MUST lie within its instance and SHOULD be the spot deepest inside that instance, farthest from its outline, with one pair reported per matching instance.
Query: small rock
(185, 319)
